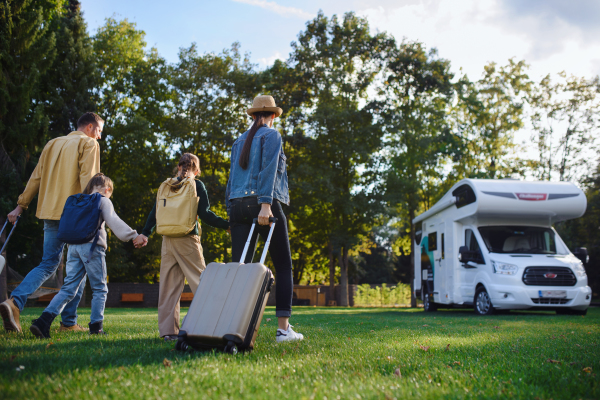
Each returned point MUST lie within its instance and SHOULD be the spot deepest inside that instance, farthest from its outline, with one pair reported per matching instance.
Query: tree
(134, 95)
(209, 113)
(68, 89)
(419, 93)
(27, 49)
(487, 115)
(339, 59)
(566, 120)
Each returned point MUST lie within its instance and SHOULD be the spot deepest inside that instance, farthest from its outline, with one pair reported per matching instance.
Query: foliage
(382, 296)
(374, 131)
(489, 113)
(27, 51)
(566, 122)
(374, 353)
(339, 60)
(585, 232)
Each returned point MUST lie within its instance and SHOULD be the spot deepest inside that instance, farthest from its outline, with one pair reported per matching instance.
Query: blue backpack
(80, 220)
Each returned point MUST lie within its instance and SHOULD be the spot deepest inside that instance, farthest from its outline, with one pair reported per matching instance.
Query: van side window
(432, 241)
(443, 247)
(472, 244)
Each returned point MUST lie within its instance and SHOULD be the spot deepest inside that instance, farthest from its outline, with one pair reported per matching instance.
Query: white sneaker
(289, 335)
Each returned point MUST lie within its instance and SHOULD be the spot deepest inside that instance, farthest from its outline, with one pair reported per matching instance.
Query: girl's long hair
(259, 120)
(187, 162)
(99, 180)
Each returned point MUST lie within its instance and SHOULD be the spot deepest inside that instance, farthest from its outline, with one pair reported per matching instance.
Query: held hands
(14, 214)
(140, 241)
(265, 213)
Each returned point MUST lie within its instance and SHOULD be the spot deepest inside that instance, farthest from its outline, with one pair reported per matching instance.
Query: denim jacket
(266, 176)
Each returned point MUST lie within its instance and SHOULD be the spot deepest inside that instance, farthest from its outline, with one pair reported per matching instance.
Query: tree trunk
(344, 277)
(4, 274)
(413, 299)
(331, 273)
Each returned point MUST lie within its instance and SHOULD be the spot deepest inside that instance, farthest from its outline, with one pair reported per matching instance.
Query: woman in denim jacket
(256, 188)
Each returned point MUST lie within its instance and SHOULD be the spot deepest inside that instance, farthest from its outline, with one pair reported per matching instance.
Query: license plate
(553, 294)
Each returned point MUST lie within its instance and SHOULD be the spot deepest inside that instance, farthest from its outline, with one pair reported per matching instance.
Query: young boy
(79, 263)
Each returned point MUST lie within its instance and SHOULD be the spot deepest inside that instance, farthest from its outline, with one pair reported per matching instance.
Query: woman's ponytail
(259, 120)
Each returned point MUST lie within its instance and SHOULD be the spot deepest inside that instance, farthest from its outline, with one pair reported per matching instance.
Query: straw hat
(264, 103)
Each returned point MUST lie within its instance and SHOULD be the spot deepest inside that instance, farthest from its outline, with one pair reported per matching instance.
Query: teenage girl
(181, 257)
(256, 188)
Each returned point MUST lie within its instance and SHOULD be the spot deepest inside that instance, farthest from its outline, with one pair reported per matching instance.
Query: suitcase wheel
(181, 345)
(231, 348)
(270, 284)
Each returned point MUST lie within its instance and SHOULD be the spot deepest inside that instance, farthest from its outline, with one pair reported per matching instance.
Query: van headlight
(504, 269)
(578, 269)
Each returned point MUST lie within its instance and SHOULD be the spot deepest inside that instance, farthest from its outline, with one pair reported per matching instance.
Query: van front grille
(551, 301)
(543, 276)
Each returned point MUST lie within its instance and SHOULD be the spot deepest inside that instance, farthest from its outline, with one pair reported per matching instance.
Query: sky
(550, 35)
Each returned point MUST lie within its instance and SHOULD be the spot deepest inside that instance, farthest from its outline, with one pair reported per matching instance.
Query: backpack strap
(94, 243)
(97, 236)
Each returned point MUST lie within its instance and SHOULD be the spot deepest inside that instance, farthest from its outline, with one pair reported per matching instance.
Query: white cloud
(278, 9)
(471, 33)
(268, 61)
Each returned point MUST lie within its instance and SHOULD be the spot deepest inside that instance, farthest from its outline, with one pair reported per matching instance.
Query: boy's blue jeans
(36, 277)
(78, 263)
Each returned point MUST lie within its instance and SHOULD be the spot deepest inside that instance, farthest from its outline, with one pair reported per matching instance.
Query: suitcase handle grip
(264, 254)
(271, 219)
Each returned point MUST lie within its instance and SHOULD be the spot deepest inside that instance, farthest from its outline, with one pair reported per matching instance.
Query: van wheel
(428, 305)
(483, 303)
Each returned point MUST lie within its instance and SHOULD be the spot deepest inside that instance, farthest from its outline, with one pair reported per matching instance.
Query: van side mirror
(465, 255)
(582, 254)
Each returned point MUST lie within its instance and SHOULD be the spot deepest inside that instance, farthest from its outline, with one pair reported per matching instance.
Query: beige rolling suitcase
(228, 305)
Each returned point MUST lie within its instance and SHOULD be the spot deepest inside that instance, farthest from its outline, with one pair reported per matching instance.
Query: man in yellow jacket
(66, 165)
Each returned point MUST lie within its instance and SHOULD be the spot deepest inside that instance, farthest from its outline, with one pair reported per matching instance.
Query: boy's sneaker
(170, 338)
(72, 328)
(96, 328)
(40, 327)
(10, 316)
(289, 335)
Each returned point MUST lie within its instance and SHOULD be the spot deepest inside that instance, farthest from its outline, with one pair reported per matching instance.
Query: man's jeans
(78, 263)
(36, 277)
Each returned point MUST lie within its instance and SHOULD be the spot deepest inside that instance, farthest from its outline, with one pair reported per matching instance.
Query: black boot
(96, 328)
(41, 326)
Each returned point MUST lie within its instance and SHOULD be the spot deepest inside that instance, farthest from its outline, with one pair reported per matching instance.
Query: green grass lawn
(347, 354)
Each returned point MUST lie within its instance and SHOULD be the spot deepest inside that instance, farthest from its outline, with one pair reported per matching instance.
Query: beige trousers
(180, 258)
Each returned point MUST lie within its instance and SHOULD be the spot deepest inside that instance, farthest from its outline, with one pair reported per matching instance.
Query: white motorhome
(490, 244)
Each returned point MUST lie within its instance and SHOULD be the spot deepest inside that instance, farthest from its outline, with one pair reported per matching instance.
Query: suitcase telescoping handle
(247, 246)
(10, 234)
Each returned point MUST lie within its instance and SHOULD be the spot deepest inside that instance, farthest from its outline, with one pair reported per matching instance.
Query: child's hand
(140, 241)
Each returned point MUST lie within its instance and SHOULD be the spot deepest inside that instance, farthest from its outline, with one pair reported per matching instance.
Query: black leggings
(241, 214)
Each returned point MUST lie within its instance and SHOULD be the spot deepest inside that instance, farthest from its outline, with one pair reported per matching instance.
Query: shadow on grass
(47, 357)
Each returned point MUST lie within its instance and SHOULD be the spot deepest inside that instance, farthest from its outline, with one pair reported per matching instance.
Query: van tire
(428, 305)
(482, 303)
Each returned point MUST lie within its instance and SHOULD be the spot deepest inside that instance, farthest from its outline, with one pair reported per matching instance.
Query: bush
(382, 296)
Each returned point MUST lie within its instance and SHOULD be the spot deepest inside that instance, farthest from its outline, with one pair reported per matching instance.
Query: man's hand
(14, 214)
(265, 213)
(140, 241)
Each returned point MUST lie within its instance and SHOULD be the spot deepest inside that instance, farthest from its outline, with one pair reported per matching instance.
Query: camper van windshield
(518, 239)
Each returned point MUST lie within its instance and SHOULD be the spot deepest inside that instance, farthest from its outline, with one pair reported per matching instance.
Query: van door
(441, 284)
(447, 262)
(468, 272)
